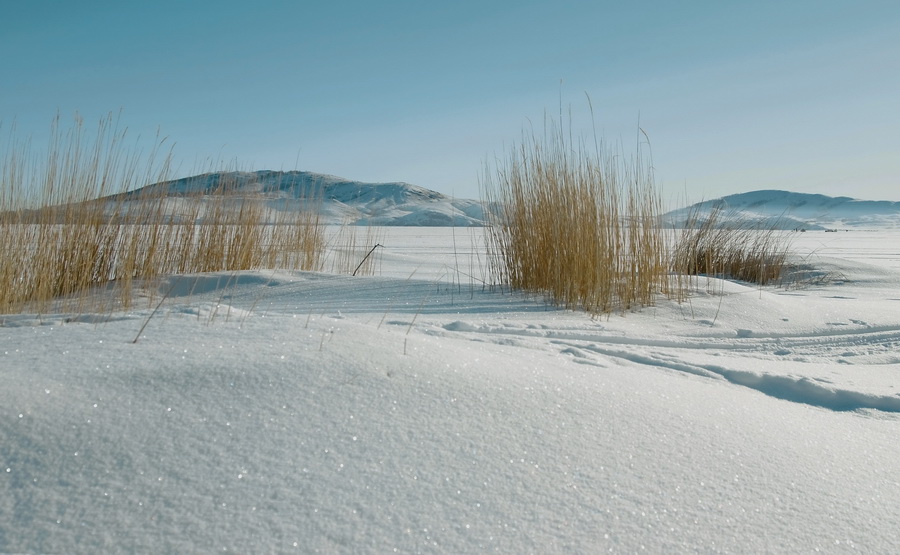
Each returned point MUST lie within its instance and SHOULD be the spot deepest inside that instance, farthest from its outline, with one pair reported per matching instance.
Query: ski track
(424, 305)
(867, 346)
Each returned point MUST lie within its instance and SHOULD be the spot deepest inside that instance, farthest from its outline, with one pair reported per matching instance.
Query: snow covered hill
(787, 210)
(402, 204)
(343, 201)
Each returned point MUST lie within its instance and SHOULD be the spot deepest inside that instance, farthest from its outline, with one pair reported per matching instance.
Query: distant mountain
(787, 210)
(342, 200)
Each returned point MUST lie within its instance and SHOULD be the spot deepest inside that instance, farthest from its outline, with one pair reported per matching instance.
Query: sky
(734, 96)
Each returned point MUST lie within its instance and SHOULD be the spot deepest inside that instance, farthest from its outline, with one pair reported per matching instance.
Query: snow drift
(419, 411)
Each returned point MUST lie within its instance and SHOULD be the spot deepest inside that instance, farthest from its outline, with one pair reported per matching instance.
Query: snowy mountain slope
(343, 201)
(787, 210)
(402, 204)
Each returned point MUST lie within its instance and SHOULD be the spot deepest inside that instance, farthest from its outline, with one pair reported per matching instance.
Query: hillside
(346, 201)
(343, 201)
(787, 210)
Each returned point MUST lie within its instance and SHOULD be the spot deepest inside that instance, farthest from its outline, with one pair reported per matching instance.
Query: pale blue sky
(735, 95)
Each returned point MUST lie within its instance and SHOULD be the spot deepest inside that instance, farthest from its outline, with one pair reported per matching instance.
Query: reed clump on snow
(81, 216)
(579, 225)
(731, 248)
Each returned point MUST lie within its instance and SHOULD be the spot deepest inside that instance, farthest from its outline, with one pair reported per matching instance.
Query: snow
(418, 411)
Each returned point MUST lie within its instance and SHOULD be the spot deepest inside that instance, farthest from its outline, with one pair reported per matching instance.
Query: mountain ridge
(398, 203)
(790, 210)
(343, 200)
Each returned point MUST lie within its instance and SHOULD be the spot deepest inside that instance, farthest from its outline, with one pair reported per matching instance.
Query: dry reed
(81, 216)
(733, 249)
(577, 226)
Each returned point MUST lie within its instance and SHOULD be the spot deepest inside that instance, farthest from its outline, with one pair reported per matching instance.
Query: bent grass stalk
(348, 255)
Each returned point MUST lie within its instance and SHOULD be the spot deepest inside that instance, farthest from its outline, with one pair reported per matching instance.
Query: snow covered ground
(417, 411)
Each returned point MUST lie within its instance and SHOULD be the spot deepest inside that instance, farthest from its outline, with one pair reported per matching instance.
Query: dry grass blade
(351, 254)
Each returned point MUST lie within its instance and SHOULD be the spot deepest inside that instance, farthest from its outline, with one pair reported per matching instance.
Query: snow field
(419, 412)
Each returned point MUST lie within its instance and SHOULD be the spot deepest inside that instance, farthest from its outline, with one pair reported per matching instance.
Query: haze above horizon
(798, 96)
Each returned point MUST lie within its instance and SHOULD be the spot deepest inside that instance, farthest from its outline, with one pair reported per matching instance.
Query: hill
(343, 200)
(788, 210)
(346, 201)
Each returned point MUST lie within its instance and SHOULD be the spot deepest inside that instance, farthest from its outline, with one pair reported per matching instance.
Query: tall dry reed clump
(730, 248)
(580, 226)
(81, 216)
